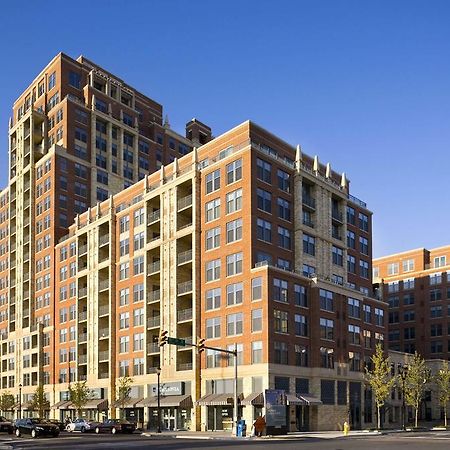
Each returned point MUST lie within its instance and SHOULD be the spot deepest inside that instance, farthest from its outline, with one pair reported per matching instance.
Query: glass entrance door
(169, 418)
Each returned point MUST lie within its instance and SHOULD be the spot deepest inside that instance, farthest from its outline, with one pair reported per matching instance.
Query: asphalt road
(413, 441)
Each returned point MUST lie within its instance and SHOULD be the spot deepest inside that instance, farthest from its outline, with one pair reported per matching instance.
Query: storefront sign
(275, 408)
(176, 388)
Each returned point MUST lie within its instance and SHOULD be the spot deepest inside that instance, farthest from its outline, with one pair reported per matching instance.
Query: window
(301, 360)
(308, 271)
(363, 222)
(213, 181)
(213, 358)
(351, 264)
(394, 317)
(393, 286)
(124, 247)
(280, 321)
(257, 288)
(351, 215)
(124, 270)
(138, 265)
(436, 311)
(364, 245)
(264, 170)
(338, 257)
(213, 328)
(52, 80)
(264, 230)
(435, 295)
(408, 299)
(326, 300)
(124, 320)
(364, 269)
(234, 171)
(212, 238)
(124, 344)
(408, 265)
(284, 182)
(234, 264)
(435, 278)
(213, 270)
(309, 244)
(138, 342)
(256, 320)
(280, 290)
(281, 352)
(393, 301)
(301, 325)
(234, 324)
(300, 297)
(408, 315)
(75, 79)
(138, 317)
(408, 283)
(234, 230)
(213, 210)
(264, 200)
(256, 352)
(351, 239)
(284, 209)
(234, 294)
(354, 308)
(436, 330)
(379, 317)
(139, 241)
(326, 328)
(440, 261)
(213, 297)
(354, 334)
(124, 296)
(234, 201)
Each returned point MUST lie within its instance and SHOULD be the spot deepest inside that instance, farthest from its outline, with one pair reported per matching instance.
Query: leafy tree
(39, 401)
(123, 391)
(7, 401)
(442, 380)
(416, 378)
(79, 395)
(380, 379)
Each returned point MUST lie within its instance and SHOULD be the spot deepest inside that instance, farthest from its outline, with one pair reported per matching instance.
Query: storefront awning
(99, 403)
(309, 399)
(63, 404)
(129, 403)
(255, 399)
(169, 401)
(216, 400)
(292, 399)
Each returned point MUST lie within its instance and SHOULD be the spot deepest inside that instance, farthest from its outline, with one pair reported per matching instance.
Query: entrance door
(169, 419)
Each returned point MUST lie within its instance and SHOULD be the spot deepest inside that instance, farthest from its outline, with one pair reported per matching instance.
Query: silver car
(82, 425)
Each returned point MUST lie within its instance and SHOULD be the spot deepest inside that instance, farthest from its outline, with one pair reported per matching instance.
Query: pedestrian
(259, 425)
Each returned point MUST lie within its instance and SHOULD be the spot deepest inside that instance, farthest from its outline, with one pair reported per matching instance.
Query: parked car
(6, 425)
(82, 425)
(35, 427)
(58, 423)
(115, 426)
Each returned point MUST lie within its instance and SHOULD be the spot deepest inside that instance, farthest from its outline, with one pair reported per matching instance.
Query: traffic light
(201, 345)
(163, 338)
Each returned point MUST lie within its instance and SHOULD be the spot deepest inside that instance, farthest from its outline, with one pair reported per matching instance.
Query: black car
(58, 423)
(115, 426)
(35, 427)
(6, 425)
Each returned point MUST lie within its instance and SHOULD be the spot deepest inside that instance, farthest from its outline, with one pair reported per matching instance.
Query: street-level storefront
(130, 411)
(220, 410)
(176, 412)
(95, 409)
(255, 402)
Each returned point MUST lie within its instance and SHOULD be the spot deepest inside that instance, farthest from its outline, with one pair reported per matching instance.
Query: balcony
(337, 216)
(184, 202)
(153, 347)
(82, 292)
(103, 375)
(82, 317)
(154, 268)
(82, 337)
(153, 296)
(103, 285)
(153, 322)
(184, 288)
(26, 312)
(184, 314)
(188, 341)
(82, 249)
(154, 217)
(309, 202)
(82, 359)
(103, 310)
(103, 333)
(184, 257)
(103, 240)
(103, 356)
(184, 366)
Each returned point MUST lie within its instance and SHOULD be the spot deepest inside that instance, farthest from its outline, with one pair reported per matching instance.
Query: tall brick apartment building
(416, 285)
(114, 227)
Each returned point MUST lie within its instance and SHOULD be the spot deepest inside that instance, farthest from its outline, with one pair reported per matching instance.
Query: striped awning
(309, 399)
(217, 400)
(100, 404)
(63, 404)
(255, 398)
(168, 401)
(129, 403)
(292, 399)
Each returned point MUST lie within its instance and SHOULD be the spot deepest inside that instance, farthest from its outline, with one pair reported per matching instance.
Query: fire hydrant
(346, 428)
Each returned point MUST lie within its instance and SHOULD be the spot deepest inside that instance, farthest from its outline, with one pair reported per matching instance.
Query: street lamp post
(158, 373)
(403, 370)
(20, 401)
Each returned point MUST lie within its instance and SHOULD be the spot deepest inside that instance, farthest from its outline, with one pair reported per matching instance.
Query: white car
(82, 425)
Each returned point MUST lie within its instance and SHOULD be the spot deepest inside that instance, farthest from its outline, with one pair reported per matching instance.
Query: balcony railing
(153, 347)
(103, 285)
(82, 337)
(336, 236)
(309, 201)
(184, 288)
(82, 359)
(308, 223)
(82, 316)
(184, 366)
(184, 257)
(103, 310)
(153, 322)
(153, 296)
(103, 356)
(184, 314)
(103, 375)
(337, 215)
(103, 333)
(103, 239)
(82, 292)
(82, 249)
(154, 267)
(184, 202)
(154, 217)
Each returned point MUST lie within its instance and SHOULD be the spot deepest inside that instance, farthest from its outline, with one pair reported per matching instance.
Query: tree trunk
(417, 415)
(378, 418)
(445, 415)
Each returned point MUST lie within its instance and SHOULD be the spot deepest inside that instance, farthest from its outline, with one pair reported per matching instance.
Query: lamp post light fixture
(158, 373)
(20, 401)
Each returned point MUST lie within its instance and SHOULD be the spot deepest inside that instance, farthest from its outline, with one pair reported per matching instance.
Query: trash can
(241, 430)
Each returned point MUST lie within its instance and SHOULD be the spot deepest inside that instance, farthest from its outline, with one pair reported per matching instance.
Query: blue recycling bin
(241, 430)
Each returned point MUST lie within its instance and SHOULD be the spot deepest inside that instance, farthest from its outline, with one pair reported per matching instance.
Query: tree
(442, 380)
(416, 378)
(7, 401)
(39, 401)
(123, 391)
(380, 379)
(79, 395)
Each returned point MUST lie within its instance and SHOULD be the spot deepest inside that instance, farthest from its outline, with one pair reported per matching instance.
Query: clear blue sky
(363, 84)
